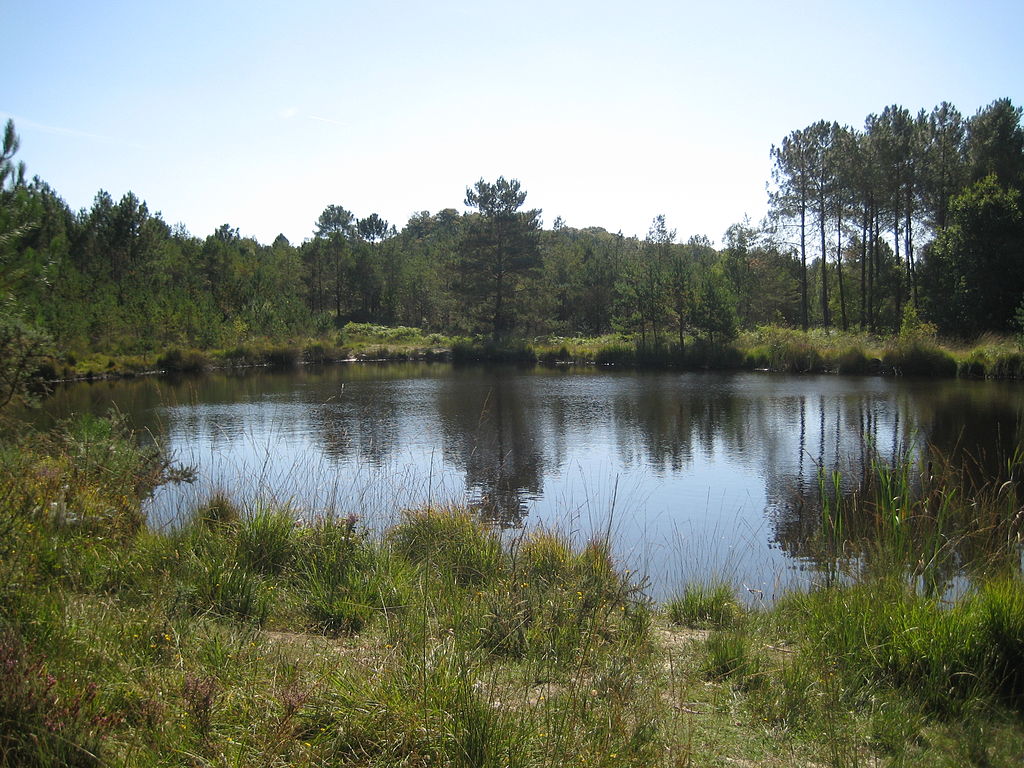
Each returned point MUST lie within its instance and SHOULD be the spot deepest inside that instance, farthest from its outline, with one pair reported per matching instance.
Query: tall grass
(931, 518)
(242, 637)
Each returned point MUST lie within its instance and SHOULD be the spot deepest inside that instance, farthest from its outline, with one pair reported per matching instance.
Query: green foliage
(130, 649)
(912, 328)
(226, 588)
(267, 540)
(465, 351)
(450, 542)
(884, 633)
(974, 272)
(45, 721)
(731, 655)
(1008, 365)
(23, 349)
(926, 521)
(499, 250)
(919, 357)
(283, 358)
(704, 605)
(219, 509)
(345, 580)
(853, 360)
(183, 361)
(784, 350)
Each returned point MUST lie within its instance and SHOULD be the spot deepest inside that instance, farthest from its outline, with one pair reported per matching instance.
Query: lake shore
(244, 638)
(769, 348)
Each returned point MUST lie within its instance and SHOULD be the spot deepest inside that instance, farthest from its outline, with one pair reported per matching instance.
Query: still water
(694, 474)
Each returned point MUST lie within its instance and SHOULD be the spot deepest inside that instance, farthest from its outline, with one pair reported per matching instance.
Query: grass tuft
(704, 606)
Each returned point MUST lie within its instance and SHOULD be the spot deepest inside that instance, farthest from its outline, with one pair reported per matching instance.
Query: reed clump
(704, 605)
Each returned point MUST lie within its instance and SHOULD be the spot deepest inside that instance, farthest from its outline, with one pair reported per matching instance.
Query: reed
(703, 605)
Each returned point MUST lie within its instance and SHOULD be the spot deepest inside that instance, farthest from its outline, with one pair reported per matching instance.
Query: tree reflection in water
(717, 455)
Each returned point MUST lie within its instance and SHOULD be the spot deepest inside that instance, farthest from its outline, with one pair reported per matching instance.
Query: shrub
(616, 354)
(282, 358)
(242, 356)
(217, 510)
(853, 360)
(553, 356)
(702, 353)
(948, 657)
(976, 366)
(787, 350)
(545, 557)
(345, 580)
(465, 351)
(221, 586)
(42, 721)
(919, 357)
(315, 353)
(1008, 365)
(183, 361)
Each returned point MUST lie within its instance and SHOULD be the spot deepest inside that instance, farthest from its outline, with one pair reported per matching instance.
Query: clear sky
(260, 114)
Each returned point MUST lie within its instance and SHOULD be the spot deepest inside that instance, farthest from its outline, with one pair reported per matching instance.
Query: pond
(693, 474)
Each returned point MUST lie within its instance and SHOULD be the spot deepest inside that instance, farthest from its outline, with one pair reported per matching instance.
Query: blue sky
(261, 114)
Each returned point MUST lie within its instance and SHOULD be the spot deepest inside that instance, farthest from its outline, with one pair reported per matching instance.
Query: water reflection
(704, 456)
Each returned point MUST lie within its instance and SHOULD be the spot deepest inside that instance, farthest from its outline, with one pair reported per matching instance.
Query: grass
(703, 606)
(915, 352)
(244, 638)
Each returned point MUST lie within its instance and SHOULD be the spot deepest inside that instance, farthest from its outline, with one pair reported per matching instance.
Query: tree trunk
(839, 273)
(803, 265)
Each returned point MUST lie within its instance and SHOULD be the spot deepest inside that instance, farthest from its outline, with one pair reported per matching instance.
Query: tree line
(920, 210)
(913, 210)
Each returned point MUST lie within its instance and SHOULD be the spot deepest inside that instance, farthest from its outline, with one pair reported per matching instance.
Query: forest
(918, 211)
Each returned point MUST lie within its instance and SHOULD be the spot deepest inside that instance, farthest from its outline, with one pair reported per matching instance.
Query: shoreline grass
(244, 637)
(767, 348)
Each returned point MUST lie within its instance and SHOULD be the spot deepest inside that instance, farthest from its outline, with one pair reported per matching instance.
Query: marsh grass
(931, 519)
(704, 605)
(241, 637)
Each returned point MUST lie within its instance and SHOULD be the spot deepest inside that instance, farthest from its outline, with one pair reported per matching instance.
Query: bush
(702, 353)
(786, 350)
(919, 357)
(282, 358)
(976, 366)
(42, 721)
(616, 354)
(346, 581)
(544, 558)
(553, 356)
(1008, 365)
(183, 361)
(315, 353)
(731, 655)
(217, 510)
(221, 586)
(884, 632)
(465, 351)
(853, 360)
(242, 356)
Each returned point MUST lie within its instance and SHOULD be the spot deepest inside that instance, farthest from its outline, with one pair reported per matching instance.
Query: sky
(261, 114)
